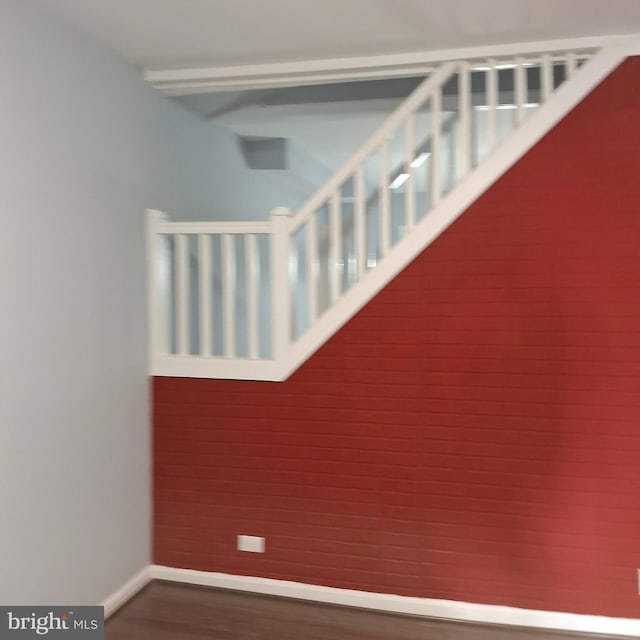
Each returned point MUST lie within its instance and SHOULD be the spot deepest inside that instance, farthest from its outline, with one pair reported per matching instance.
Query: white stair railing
(200, 268)
(236, 299)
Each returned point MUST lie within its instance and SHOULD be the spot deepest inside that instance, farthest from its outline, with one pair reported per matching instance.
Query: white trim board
(426, 607)
(122, 595)
(183, 81)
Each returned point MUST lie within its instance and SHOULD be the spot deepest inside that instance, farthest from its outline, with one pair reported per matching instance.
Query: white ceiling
(179, 33)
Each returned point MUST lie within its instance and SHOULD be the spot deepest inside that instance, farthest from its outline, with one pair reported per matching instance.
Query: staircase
(254, 300)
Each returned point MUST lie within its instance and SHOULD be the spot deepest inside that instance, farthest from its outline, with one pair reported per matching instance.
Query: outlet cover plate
(252, 544)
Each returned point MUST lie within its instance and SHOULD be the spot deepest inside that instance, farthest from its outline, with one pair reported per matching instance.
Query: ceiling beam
(185, 81)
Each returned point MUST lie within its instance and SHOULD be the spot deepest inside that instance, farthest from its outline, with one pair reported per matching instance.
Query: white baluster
(280, 283)
(410, 187)
(182, 293)
(385, 202)
(158, 270)
(228, 294)
(571, 65)
(335, 251)
(546, 78)
(464, 110)
(520, 90)
(312, 263)
(492, 105)
(204, 290)
(428, 160)
(360, 231)
(251, 268)
(436, 107)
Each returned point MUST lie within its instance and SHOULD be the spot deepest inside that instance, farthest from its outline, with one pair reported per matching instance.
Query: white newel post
(280, 282)
(158, 284)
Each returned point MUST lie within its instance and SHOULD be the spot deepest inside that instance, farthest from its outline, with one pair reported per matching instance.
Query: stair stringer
(514, 147)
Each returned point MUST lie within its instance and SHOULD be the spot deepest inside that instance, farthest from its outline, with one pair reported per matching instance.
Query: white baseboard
(447, 609)
(122, 595)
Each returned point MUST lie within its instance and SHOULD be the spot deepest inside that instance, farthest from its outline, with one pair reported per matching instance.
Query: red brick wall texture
(474, 432)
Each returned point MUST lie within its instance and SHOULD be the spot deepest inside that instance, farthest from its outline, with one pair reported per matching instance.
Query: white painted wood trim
(546, 78)
(571, 65)
(360, 235)
(492, 103)
(426, 607)
(214, 367)
(380, 136)
(409, 185)
(212, 228)
(335, 246)
(129, 589)
(280, 287)
(252, 284)
(436, 128)
(228, 278)
(157, 307)
(183, 81)
(204, 293)
(312, 268)
(464, 114)
(385, 199)
(520, 91)
(182, 297)
(568, 95)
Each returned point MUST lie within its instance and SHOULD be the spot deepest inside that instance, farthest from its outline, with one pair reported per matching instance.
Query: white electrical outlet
(252, 544)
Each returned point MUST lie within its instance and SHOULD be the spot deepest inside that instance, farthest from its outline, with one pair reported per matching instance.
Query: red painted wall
(474, 432)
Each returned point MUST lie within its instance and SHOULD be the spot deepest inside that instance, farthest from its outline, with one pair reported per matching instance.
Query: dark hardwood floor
(165, 611)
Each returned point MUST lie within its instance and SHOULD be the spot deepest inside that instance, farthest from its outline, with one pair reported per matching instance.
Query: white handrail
(422, 93)
(213, 228)
(411, 104)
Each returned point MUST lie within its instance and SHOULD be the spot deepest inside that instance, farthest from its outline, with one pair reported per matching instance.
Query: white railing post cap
(281, 211)
(156, 214)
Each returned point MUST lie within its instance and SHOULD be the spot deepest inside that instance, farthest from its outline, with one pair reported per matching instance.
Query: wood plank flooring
(166, 611)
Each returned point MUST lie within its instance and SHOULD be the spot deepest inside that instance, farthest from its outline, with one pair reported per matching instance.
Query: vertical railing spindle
(464, 110)
(571, 65)
(228, 294)
(182, 294)
(410, 186)
(335, 250)
(520, 90)
(436, 107)
(159, 295)
(204, 292)
(312, 261)
(360, 231)
(281, 324)
(385, 199)
(251, 268)
(546, 78)
(492, 105)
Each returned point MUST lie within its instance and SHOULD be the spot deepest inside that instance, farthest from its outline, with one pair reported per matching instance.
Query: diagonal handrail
(413, 102)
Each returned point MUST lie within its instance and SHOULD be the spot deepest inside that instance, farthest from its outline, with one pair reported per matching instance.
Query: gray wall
(85, 148)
